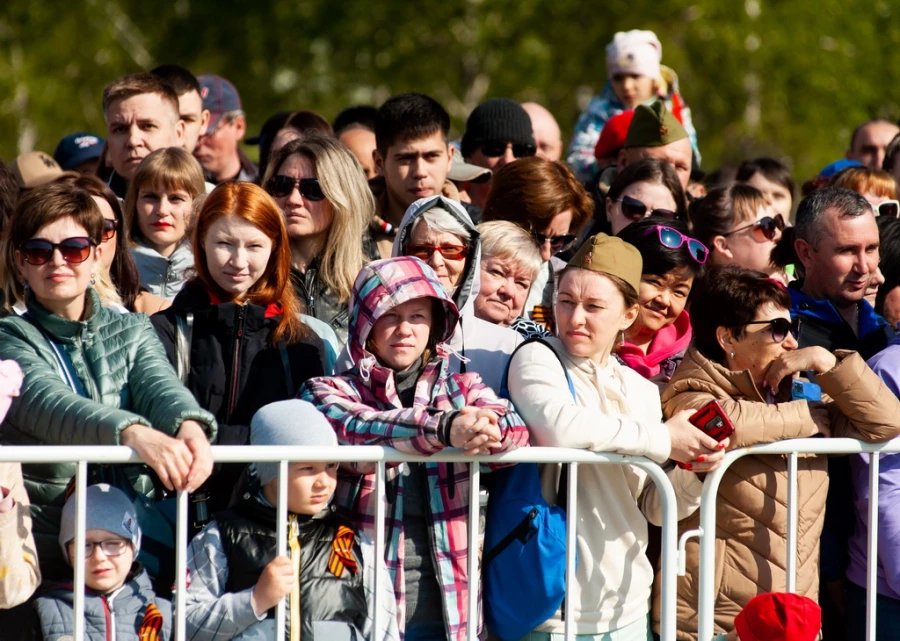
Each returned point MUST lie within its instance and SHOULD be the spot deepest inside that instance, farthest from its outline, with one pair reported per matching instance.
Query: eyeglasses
(634, 209)
(112, 547)
(450, 252)
(780, 327)
(496, 148)
(557, 243)
(767, 226)
(889, 208)
(283, 186)
(38, 251)
(673, 239)
(109, 228)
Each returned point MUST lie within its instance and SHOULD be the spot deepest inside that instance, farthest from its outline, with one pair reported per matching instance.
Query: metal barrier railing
(792, 448)
(83, 455)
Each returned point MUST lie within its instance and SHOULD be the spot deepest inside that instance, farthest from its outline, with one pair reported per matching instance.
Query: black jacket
(234, 369)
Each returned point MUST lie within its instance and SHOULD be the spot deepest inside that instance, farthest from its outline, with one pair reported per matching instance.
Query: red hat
(612, 138)
(778, 616)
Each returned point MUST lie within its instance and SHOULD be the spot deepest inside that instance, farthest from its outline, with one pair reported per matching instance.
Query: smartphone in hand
(713, 420)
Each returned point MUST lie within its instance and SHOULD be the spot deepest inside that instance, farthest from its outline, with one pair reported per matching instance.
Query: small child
(119, 601)
(236, 577)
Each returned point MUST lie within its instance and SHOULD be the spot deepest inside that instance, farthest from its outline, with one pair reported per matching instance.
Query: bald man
(547, 136)
(870, 140)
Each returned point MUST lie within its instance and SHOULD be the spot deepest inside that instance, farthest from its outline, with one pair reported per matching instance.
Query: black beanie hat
(497, 119)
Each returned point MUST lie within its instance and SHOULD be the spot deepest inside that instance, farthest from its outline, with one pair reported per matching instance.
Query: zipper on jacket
(107, 614)
(90, 386)
(236, 361)
(294, 611)
(523, 532)
(310, 279)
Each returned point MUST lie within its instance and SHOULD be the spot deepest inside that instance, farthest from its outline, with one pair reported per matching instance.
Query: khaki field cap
(654, 126)
(35, 168)
(612, 256)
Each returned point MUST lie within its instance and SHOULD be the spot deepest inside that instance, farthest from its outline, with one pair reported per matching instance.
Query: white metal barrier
(82, 455)
(707, 531)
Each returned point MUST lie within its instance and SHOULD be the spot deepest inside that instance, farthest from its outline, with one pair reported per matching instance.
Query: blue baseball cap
(75, 149)
(838, 165)
(219, 97)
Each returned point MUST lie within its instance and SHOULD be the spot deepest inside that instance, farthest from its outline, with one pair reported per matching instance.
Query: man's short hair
(138, 84)
(356, 117)
(812, 209)
(182, 80)
(865, 124)
(409, 116)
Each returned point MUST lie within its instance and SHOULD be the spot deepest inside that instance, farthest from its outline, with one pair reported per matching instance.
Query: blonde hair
(343, 182)
(168, 168)
(508, 241)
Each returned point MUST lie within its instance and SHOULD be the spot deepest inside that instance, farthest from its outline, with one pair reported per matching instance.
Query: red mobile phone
(713, 420)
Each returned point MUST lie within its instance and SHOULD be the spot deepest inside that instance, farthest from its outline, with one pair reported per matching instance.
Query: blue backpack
(524, 565)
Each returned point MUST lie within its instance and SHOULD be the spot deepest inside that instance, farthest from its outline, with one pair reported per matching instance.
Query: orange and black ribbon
(342, 552)
(151, 626)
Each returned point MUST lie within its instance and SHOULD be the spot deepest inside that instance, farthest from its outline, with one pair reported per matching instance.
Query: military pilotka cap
(654, 126)
(612, 256)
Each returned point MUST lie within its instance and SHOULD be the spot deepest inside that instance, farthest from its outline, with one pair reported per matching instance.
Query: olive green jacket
(124, 378)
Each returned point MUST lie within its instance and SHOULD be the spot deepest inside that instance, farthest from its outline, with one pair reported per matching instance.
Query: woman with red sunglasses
(740, 228)
(93, 376)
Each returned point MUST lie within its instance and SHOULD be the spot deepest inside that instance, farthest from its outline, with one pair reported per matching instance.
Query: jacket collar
(826, 312)
(63, 329)
(734, 383)
(195, 299)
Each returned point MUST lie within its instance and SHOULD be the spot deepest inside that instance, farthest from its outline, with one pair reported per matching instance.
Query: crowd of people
(372, 282)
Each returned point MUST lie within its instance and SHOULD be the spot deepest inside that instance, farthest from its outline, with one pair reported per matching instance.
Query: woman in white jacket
(614, 410)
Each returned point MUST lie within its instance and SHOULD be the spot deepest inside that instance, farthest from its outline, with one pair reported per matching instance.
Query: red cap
(778, 616)
(612, 138)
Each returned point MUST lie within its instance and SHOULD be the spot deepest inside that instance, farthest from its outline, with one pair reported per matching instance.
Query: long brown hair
(253, 204)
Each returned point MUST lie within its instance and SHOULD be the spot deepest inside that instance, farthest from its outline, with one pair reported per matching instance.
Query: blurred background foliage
(787, 78)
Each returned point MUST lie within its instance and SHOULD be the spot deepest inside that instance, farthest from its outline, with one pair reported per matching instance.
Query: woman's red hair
(253, 204)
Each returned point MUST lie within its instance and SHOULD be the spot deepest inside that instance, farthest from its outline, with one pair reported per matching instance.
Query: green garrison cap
(654, 126)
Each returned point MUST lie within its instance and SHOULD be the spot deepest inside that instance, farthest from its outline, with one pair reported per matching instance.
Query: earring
(621, 338)
(93, 282)
(732, 355)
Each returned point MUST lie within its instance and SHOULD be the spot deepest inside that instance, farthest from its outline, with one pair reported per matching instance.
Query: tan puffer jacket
(751, 513)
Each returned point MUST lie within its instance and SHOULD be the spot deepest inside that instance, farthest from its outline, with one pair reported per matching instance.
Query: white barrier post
(473, 529)
(80, 522)
(791, 561)
(872, 552)
(380, 569)
(281, 535)
(571, 520)
(181, 543)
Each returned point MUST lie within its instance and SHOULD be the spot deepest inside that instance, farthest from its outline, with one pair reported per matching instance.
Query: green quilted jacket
(126, 379)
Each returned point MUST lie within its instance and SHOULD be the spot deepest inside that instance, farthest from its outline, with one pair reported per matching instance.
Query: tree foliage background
(788, 78)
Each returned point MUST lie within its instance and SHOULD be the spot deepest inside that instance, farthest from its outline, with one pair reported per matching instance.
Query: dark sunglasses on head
(767, 226)
(38, 251)
(780, 327)
(557, 243)
(673, 239)
(889, 208)
(109, 228)
(496, 148)
(282, 186)
(450, 252)
(634, 209)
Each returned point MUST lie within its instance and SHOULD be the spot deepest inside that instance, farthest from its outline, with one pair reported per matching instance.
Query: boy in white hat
(236, 577)
(635, 76)
(119, 600)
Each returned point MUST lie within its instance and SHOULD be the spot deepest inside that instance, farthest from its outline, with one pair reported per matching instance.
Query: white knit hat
(634, 52)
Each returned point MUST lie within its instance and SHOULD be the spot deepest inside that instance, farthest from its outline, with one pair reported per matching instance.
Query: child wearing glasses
(237, 575)
(119, 602)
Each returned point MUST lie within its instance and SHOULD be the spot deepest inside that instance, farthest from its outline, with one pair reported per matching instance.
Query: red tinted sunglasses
(38, 251)
(450, 252)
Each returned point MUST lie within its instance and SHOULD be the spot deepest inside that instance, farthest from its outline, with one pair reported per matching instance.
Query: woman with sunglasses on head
(158, 207)
(745, 356)
(573, 393)
(655, 343)
(93, 376)
(740, 228)
(545, 199)
(321, 189)
(247, 345)
(646, 188)
(116, 255)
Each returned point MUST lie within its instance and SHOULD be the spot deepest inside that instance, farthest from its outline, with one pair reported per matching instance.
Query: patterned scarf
(151, 626)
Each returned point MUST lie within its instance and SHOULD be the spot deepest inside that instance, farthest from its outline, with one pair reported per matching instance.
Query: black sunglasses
(557, 243)
(889, 208)
(634, 209)
(38, 251)
(781, 327)
(496, 148)
(282, 186)
(109, 228)
(767, 226)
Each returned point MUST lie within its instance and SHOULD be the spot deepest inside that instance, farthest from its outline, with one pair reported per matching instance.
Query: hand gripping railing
(791, 448)
(82, 455)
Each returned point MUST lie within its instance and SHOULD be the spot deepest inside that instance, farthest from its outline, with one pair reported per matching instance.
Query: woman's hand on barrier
(690, 444)
(816, 359)
(476, 431)
(194, 436)
(274, 584)
(170, 458)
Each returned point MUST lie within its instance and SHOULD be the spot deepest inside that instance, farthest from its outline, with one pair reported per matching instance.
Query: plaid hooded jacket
(365, 409)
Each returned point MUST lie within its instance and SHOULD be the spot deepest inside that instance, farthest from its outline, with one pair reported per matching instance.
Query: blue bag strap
(504, 387)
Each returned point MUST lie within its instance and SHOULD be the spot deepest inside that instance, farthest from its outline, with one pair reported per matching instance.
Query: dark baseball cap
(219, 97)
(77, 148)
